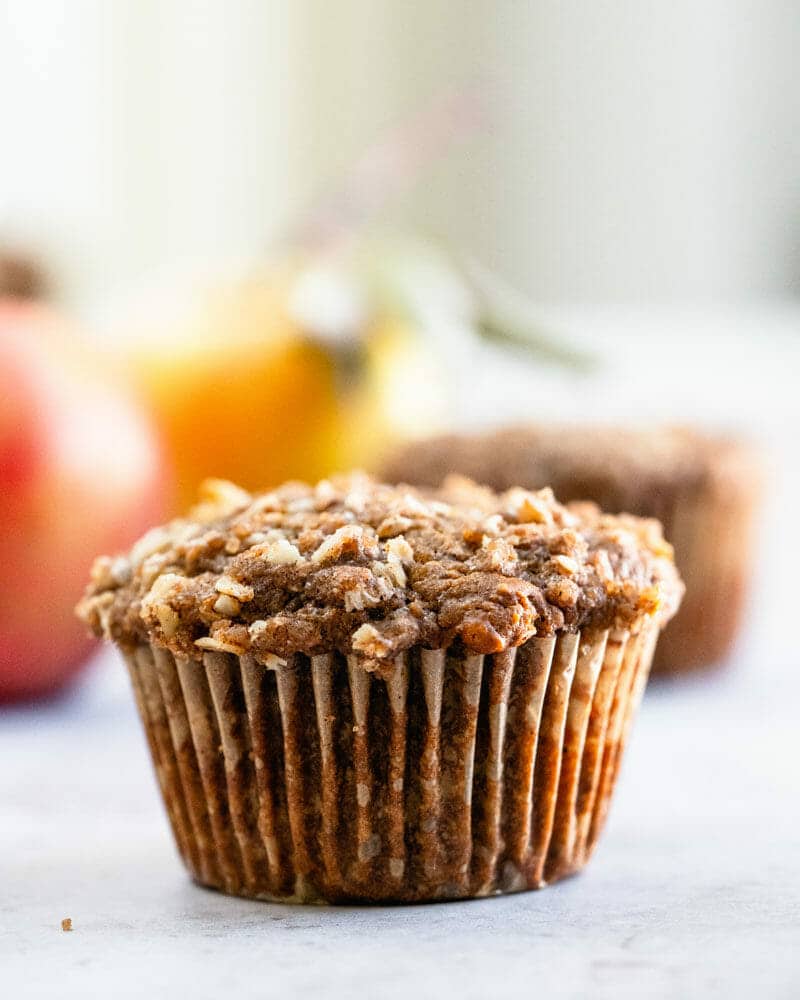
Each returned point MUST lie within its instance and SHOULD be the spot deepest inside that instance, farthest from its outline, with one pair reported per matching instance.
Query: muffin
(704, 489)
(359, 692)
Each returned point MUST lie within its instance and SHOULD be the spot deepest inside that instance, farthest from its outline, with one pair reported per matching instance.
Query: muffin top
(633, 469)
(359, 567)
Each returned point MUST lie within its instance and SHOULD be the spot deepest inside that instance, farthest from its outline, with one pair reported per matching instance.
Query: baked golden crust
(355, 566)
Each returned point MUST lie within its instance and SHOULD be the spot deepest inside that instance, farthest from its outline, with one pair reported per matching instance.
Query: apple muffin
(704, 489)
(359, 692)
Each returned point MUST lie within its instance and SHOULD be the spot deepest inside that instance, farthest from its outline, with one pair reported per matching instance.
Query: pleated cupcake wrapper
(712, 533)
(447, 776)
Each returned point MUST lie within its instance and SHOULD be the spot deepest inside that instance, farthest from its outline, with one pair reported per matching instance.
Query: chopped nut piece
(358, 599)
(218, 499)
(527, 507)
(325, 493)
(438, 507)
(66, 924)
(227, 606)
(393, 525)
(273, 662)
(169, 620)
(152, 567)
(257, 628)
(348, 539)
(602, 565)
(266, 502)
(370, 642)
(302, 505)
(254, 538)
(413, 506)
(215, 645)
(563, 592)
(277, 551)
(493, 525)
(108, 573)
(155, 604)
(101, 606)
(226, 585)
(565, 564)
(392, 571)
(501, 554)
(100, 573)
(568, 543)
(399, 550)
(155, 540)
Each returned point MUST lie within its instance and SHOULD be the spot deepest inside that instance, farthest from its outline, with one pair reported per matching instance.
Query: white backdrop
(640, 150)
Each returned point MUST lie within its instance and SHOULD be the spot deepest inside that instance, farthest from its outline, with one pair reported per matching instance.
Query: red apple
(80, 474)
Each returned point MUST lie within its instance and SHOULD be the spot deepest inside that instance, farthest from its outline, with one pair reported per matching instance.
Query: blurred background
(632, 151)
(264, 239)
(270, 238)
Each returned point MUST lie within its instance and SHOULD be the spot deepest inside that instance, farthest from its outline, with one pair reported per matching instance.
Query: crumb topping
(356, 566)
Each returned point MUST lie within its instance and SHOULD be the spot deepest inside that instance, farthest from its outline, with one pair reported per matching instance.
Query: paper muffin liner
(446, 776)
(712, 533)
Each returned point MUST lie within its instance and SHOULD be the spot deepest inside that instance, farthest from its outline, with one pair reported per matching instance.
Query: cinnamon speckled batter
(354, 566)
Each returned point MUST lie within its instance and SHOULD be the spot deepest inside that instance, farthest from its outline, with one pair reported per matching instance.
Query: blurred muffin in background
(705, 490)
(21, 276)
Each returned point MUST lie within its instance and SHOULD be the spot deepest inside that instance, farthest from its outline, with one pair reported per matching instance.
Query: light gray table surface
(694, 889)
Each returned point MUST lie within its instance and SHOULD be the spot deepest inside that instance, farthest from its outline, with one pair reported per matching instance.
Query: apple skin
(81, 473)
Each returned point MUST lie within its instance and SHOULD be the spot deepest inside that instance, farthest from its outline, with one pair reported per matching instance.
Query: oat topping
(356, 566)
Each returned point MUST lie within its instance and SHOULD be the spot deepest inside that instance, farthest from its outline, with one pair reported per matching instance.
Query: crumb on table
(66, 924)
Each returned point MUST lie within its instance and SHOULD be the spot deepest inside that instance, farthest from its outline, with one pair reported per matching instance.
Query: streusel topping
(356, 566)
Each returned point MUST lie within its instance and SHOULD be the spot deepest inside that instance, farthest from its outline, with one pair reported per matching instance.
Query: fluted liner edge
(446, 776)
